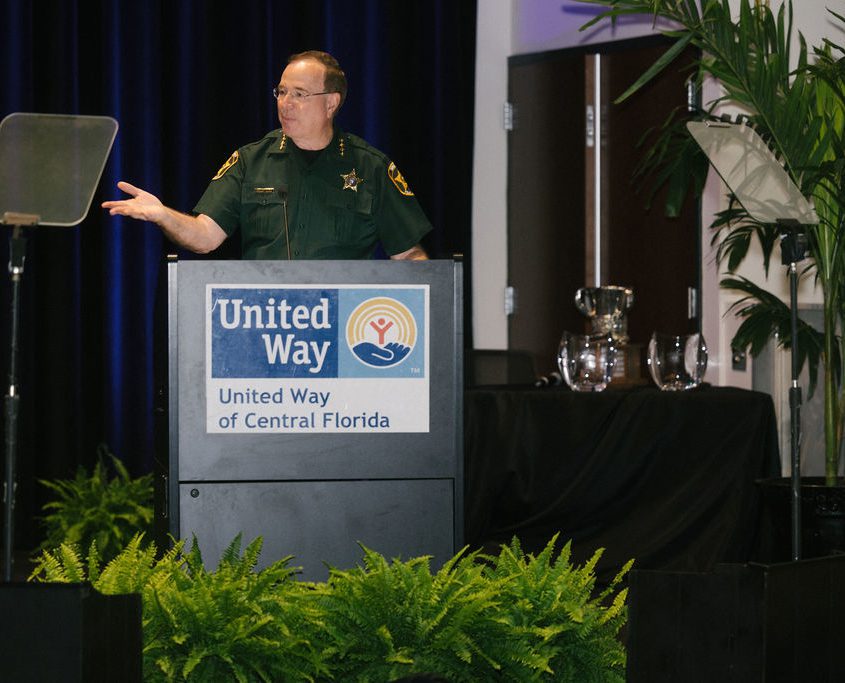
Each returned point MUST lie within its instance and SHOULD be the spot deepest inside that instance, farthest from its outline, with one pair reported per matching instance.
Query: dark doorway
(553, 245)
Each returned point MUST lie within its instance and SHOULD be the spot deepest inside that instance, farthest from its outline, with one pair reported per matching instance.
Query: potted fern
(798, 108)
(107, 507)
(513, 617)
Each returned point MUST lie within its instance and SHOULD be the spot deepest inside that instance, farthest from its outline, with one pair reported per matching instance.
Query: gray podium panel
(235, 330)
(204, 456)
(322, 522)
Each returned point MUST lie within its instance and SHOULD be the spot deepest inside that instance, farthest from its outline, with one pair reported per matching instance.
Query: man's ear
(332, 103)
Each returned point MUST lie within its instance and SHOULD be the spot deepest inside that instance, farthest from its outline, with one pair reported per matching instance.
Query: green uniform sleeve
(401, 221)
(221, 200)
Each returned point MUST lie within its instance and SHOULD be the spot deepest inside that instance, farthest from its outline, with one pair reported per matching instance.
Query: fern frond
(72, 563)
(96, 507)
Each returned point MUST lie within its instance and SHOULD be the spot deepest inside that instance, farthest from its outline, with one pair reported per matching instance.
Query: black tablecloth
(667, 478)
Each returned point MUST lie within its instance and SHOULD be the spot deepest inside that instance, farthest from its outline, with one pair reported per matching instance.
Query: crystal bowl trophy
(677, 362)
(606, 307)
(586, 361)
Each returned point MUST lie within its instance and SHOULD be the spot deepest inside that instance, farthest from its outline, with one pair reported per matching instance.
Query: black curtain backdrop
(189, 82)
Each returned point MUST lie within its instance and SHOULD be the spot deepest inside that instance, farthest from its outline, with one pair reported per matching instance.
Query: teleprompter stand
(11, 404)
(793, 247)
(765, 190)
(50, 166)
(750, 621)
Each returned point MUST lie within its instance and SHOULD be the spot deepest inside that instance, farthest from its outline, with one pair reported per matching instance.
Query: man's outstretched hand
(142, 205)
(196, 233)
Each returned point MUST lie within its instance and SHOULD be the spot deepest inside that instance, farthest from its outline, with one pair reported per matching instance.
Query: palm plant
(798, 108)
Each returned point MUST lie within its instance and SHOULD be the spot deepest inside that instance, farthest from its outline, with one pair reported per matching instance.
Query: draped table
(667, 478)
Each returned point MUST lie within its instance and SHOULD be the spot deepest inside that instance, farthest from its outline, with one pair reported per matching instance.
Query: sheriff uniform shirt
(338, 204)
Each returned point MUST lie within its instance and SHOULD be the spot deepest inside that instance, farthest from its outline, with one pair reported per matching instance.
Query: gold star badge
(351, 181)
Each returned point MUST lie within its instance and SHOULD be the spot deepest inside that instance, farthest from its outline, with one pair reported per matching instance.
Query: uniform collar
(337, 147)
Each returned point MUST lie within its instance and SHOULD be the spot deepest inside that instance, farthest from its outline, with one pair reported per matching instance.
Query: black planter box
(822, 519)
(68, 633)
(742, 623)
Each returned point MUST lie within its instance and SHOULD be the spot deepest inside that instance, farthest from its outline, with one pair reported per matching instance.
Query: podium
(317, 404)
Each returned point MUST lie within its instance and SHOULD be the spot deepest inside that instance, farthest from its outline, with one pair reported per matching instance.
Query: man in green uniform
(307, 191)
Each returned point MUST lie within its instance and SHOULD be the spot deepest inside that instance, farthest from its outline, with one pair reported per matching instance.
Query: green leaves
(797, 105)
(389, 619)
(765, 315)
(734, 231)
(511, 617)
(663, 61)
(675, 161)
(555, 603)
(233, 623)
(514, 617)
(98, 507)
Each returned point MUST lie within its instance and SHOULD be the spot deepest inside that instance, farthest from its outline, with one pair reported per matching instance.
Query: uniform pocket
(352, 213)
(262, 212)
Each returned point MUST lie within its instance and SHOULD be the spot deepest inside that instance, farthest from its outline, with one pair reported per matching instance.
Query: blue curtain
(189, 82)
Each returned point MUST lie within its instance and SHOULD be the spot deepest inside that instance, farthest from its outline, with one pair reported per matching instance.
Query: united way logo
(381, 332)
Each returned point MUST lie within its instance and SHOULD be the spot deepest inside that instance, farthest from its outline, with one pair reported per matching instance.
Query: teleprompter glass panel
(50, 164)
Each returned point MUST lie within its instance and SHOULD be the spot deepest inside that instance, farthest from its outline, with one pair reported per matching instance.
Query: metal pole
(795, 418)
(17, 251)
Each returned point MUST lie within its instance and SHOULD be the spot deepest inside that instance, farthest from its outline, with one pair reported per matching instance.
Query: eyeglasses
(296, 95)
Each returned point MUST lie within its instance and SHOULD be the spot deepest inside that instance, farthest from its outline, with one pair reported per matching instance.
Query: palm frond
(764, 316)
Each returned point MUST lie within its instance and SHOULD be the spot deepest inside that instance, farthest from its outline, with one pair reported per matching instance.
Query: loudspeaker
(739, 623)
(68, 633)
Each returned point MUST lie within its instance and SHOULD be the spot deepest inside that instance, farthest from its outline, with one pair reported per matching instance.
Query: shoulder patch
(394, 175)
(231, 161)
